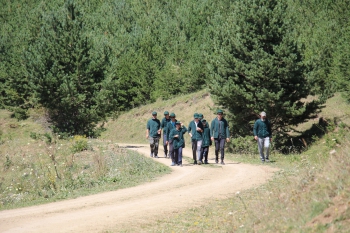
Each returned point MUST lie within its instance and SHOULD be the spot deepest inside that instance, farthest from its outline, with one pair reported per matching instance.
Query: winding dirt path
(185, 187)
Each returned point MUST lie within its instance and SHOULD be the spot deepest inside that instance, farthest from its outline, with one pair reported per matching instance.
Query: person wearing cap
(206, 142)
(201, 116)
(153, 133)
(220, 133)
(177, 137)
(263, 135)
(169, 127)
(195, 130)
(163, 125)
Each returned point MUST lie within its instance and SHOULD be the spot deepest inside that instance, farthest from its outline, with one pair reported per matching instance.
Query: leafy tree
(257, 66)
(67, 73)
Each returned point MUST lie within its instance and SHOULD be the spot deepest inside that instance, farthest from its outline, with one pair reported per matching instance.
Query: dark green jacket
(164, 123)
(153, 125)
(178, 141)
(262, 129)
(169, 127)
(214, 129)
(196, 136)
(206, 137)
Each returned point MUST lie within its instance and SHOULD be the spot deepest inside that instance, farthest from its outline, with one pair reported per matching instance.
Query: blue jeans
(178, 155)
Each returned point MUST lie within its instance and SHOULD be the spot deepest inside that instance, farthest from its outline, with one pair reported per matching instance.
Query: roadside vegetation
(38, 166)
(310, 192)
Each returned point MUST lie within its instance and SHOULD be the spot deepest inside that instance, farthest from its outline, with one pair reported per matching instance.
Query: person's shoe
(156, 156)
(263, 161)
(222, 162)
(199, 162)
(165, 155)
(151, 154)
(195, 162)
(206, 162)
(267, 160)
(216, 161)
(172, 164)
(180, 164)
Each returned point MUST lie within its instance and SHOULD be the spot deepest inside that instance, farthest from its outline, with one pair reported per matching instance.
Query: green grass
(35, 170)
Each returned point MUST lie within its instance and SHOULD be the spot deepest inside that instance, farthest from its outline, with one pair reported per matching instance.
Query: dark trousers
(204, 153)
(219, 145)
(178, 155)
(154, 143)
(165, 145)
(171, 151)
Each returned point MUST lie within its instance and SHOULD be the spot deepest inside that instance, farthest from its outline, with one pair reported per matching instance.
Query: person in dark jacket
(263, 135)
(206, 142)
(153, 134)
(163, 125)
(220, 133)
(195, 130)
(177, 136)
(169, 127)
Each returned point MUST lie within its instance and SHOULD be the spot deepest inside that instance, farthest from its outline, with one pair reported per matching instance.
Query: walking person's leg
(151, 145)
(267, 146)
(179, 159)
(171, 152)
(198, 151)
(194, 151)
(175, 155)
(222, 149)
(205, 154)
(217, 147)
(261, 149)
(165, 146)
(156, 146)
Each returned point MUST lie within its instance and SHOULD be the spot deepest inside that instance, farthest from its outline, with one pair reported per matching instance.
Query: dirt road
(185, 187)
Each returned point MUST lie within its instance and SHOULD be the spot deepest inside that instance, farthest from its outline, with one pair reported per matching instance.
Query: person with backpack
(206, 142)
(263, 135)
(177, 137)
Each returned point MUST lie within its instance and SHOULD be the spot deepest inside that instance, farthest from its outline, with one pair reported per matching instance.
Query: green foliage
(79, 143)
(258, 67)
(66, 73)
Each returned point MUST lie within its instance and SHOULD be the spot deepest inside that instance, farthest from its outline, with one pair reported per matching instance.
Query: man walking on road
(153, 134)
(177, 136)
(206, 142)
(163, 126)
(263, 135)
(220, 134)
(171, 125)
(195, 130)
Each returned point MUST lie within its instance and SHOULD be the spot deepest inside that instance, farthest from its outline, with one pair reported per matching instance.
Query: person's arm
(147, 130)
(255, 130)
(190, 129)
(227, 132)
(212, 130)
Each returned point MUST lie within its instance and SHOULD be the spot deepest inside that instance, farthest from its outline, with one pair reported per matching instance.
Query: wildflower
(237, 193)
(230, 213)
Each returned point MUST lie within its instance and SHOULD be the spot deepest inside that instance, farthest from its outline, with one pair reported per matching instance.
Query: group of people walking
(202, 136)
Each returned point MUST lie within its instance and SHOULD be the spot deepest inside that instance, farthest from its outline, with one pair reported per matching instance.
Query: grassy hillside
(131, 126)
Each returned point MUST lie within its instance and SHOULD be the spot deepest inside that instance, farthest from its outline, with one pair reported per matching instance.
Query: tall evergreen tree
(67, 73)
(257, 66)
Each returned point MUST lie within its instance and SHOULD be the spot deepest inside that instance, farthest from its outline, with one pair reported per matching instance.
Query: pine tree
(67, 73)
(257, 67)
